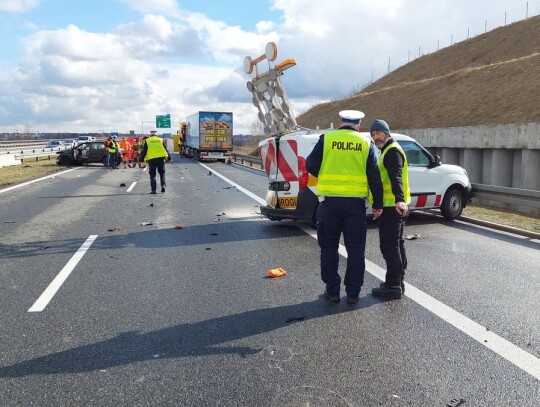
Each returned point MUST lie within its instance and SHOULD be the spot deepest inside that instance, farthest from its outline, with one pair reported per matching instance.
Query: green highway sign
(163, 122)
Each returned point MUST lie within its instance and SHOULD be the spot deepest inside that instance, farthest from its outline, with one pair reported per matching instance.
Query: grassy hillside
(493, 78)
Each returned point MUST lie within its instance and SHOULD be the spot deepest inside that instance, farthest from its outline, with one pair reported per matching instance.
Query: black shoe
(162, 189)
(403, 287)
(353, 299)
(153, 192)
(387, 292)
(331, 297)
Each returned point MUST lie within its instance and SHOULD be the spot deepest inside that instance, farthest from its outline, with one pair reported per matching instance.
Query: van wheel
(272, 218)
(452, 204)
(105, 161)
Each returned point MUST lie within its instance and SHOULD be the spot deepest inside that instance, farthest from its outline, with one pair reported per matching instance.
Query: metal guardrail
(251, 161)
(512, 196)
(505, 195)
(37, 156)
(22, 143)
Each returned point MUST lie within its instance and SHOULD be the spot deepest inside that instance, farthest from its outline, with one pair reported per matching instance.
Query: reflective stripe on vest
(155, 148)
(343, 167)
(389, 199)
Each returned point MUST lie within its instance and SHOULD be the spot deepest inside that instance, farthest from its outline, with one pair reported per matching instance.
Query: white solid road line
(506, 349)
(131, 186)
(34, 180)
(55, 285)
(245, 191)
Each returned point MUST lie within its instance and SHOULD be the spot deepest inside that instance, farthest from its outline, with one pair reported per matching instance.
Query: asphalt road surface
(104, 303)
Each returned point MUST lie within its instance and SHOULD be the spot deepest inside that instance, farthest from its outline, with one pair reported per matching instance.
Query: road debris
(123, 184)
(277, 272)
(293, 319)
(115, 229)
(412, 237)
(455, 403)
(146, 223)
(178, 226)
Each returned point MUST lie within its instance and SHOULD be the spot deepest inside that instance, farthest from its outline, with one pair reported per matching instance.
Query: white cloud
(18, 6)
(157, 36)
(178, 62)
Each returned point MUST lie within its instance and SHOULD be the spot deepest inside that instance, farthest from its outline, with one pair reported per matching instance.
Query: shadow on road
(209, 337)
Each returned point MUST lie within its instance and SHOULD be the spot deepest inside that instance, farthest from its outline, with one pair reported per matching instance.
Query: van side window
(416, 156)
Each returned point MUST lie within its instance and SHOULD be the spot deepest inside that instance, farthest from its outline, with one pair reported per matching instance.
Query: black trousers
(392, 245)
(159, 165)
(347, 215)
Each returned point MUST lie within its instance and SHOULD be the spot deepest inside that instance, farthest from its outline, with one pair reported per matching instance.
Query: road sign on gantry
(269, 95)
(163, 122)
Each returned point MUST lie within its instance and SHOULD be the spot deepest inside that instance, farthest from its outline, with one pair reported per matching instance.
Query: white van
(291, 190)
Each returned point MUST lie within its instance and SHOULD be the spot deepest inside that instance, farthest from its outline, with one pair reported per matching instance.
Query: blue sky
(113, 65)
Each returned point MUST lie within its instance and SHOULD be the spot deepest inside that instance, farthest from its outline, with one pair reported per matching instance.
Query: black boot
(387, 292)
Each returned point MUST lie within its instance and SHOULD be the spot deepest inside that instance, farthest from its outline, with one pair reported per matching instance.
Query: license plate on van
(287, 202)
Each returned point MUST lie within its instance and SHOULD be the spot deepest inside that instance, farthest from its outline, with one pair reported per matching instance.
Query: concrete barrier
(7, 160)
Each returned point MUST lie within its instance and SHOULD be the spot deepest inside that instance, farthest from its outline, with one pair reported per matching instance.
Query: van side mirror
(435, 161)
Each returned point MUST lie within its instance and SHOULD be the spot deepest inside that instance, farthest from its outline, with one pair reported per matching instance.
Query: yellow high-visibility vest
(389, 199)
(155, 148)
(343, 167)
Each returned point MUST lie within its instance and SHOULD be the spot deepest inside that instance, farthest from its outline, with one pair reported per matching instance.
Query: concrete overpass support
(486, 166)
(450, 156)
(516, 169)
(472, 162)
(502, 163)
(530, 169)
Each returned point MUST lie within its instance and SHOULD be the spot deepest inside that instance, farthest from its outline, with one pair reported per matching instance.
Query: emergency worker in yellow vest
(112, 152)
(155, 154)
(345, 163)
(393, 167)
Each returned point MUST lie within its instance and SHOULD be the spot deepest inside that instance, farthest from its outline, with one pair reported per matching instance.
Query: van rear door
(280, 160)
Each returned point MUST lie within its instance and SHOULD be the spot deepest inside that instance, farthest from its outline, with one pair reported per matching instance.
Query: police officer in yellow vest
(393, 167)
(155, 153)
(345, 163)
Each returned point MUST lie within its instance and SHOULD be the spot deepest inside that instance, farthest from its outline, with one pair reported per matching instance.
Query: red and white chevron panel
(425, 201)
(285, 166)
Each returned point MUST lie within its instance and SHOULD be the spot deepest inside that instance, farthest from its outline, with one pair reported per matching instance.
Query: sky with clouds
(113, 65)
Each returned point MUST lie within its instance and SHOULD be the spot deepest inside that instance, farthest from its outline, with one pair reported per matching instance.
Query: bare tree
(257, 128)
(26, 133)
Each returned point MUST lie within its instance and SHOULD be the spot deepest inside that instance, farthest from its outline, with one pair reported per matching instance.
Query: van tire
(452, 204)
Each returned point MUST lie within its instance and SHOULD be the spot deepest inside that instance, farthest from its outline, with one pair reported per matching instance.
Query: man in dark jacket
(393, 168)
(155, 154)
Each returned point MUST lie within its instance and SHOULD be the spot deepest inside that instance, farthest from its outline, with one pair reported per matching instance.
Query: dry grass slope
(489, 79)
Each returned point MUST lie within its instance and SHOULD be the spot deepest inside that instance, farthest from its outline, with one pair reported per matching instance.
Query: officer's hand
(402, 208)
(377, 213)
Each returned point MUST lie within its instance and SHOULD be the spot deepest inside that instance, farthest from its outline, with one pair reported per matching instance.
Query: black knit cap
(379, 125)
